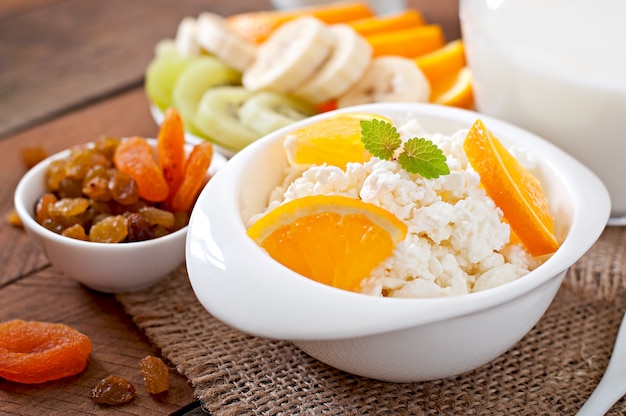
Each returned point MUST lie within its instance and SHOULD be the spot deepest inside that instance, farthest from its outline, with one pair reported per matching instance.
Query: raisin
(70, 188)
(181, 219)
(110, 230)
(33, 155)
(55, 173)
(158, 216)
(41, 209)
(68, 211)
(52, 225)
(155, 374)
(96, 184)
(123, 188)
(14, 219)
(76, 231)
(106, 145)
(113, 390)
(139, 228)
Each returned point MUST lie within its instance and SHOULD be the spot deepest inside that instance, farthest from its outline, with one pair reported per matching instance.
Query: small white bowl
(391, 339)
(104, 267)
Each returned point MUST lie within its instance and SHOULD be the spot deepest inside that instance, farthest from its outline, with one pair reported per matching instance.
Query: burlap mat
(551, 371)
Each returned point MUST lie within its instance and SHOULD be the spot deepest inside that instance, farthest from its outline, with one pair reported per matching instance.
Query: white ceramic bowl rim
(241, 291)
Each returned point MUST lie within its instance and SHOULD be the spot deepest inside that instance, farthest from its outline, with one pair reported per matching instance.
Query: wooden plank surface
(58, 55)
(117, 348)
(61, 55)
(31, 289)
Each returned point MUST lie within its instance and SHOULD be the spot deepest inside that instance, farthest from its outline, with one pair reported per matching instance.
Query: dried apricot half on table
(34, 352)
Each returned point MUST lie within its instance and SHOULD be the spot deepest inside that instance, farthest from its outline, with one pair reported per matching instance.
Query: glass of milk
(556, 68)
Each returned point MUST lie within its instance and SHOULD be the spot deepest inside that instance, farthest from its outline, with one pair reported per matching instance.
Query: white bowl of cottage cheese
(455, 294)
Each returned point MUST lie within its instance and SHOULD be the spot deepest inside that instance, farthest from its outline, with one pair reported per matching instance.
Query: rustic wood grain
(117, 348)
(61, 55)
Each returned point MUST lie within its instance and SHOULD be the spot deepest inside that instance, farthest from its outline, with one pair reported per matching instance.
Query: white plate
(157, 115)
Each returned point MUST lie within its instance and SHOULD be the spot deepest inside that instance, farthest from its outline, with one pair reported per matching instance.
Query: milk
(556, 68)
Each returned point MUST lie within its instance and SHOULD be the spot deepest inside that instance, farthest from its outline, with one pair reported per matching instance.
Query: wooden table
(70, 71)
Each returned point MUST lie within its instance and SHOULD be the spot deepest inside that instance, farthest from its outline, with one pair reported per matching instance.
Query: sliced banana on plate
(290, 56)
(185, 39)
(347, 63)
(388, 79)
(214, 36)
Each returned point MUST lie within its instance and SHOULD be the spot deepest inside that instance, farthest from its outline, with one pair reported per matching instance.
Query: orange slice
(408, 43)
(379, 24)
(456, 90)
(335, 141)
(514, 189)
(443, 62)
(257, 26)
(335, 240)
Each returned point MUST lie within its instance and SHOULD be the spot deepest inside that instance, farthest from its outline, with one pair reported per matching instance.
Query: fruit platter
(237, 78)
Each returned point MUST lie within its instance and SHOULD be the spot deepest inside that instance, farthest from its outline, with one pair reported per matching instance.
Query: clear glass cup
(558, 69)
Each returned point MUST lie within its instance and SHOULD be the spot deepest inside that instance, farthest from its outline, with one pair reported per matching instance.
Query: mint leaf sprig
(419, 156)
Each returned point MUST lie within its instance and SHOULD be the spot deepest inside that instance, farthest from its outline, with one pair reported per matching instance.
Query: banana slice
(265, 112)
(290, 55)
(185, 39)
(388, 79)
(217, 117)
(214, 36)
(349, 60)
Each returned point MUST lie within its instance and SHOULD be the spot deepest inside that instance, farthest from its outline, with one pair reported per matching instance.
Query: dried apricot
(171, 149)
(155, 374)
(198, 163)
(134, 156)
(35, 352)
(113, 390)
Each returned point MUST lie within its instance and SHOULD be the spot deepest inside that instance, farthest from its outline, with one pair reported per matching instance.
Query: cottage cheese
(456, 243)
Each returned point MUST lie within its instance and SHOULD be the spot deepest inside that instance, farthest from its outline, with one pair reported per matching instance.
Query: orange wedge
(257, 26)
(379, 24)
(455, 90)
(514, 189)
(335, 240)
(408, 43)
(443, 62)
(335, 141)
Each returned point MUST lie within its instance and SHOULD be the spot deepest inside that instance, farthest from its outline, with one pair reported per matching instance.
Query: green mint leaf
(380, 138)
(423, 157)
